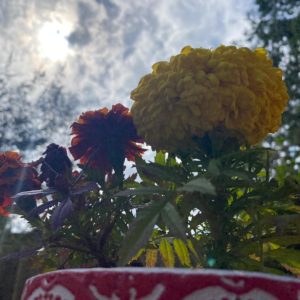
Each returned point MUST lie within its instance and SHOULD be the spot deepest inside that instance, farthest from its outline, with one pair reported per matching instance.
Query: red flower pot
(159, 284)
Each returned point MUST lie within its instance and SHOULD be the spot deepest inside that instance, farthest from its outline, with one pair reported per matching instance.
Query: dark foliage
(276, 26)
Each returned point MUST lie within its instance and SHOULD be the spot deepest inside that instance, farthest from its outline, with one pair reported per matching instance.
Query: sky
(101, 48)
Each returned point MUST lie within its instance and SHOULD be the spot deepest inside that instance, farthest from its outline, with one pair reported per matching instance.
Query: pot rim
(178, 271)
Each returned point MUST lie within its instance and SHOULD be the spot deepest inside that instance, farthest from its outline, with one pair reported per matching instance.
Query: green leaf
(149, 190)
(283, 240)
(173, 221)
(140, 231)
(237, 173)
(171, 161)
(249, 264)
(167, 253)
(182, 252)
(156, 172)
(283, 221)
(93, 174)
(213, 168)
(160, 158)
(137, 256)
(290, 257)
(201, 185)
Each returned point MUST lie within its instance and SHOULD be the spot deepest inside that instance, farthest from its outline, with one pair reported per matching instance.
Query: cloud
(131, 35)
(113, 43)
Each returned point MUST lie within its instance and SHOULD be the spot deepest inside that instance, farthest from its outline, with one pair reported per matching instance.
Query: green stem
(217, 223)
(268, 167)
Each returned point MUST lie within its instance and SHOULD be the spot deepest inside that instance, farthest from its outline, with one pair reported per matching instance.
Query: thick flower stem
(218, 227)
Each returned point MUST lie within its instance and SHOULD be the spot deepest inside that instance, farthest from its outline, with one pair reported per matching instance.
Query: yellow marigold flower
(200, 90)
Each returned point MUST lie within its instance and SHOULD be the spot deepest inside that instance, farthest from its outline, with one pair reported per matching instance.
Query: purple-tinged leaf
(38, 210)
(90, 186)
(34, 193)
(61, 213)
(21, 254)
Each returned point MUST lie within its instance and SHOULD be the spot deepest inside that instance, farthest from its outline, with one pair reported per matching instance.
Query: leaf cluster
(210, 209)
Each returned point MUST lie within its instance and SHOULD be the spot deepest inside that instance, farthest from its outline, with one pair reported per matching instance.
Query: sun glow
(52, 41)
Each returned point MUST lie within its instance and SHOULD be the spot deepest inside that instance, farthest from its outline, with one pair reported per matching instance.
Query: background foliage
(276, 26)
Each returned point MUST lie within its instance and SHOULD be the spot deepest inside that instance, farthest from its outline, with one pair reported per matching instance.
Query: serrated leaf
(173, 221)
(182, 252)
(156, 172)
(149, 190)
(140, 231)
(201, 185)
(151, 257)
(167, 253)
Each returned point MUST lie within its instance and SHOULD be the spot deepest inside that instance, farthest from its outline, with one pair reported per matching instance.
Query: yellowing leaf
(151, 257)
(192, 248)
(167, 253)
(270, 246)
(139, 253)
(182, 252)
(254, 257)
(295, 271)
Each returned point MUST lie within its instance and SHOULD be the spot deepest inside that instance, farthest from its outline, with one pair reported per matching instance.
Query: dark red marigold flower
(56, 167)
(104, 138)
(15, 177)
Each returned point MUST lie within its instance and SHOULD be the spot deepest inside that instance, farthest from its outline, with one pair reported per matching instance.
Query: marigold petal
(200, 90)
(104, 138)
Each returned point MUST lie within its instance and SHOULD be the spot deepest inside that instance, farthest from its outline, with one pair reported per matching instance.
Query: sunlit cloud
(52, 41)
(109, 44)
(101, 48)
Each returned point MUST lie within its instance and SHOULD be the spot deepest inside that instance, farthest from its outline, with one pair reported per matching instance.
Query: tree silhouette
(276, 26)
